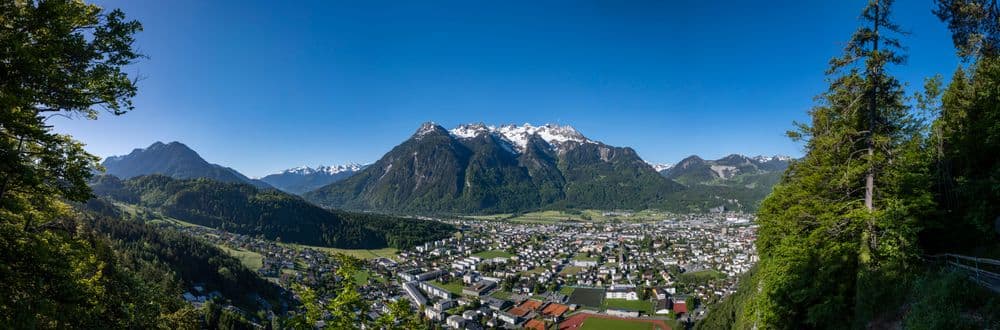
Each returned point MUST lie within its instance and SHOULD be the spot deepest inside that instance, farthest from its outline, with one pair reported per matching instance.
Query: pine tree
(841, 224)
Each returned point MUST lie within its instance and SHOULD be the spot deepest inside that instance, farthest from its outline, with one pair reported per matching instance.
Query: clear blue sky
(265, 85)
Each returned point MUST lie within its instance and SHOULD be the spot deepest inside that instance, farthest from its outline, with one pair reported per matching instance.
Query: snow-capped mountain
(331, 170)
(518, 136)
(475, 168)
(775, 158)
(662, 166)
(303, 178)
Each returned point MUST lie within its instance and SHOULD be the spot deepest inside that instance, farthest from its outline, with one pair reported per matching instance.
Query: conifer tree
(838, 233)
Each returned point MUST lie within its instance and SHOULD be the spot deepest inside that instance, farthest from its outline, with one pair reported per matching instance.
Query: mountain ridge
(478, 168)
(175, 160)
(302, 179)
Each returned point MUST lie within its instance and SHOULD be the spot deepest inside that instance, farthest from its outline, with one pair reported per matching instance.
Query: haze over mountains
(475, 168)
(303, 179)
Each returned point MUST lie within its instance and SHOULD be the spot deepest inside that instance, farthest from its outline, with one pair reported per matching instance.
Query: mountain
(244, 209)
(475, 168)
(661, 167)
(695, 170)
(735, 182)
(302, 179)
(175, 160)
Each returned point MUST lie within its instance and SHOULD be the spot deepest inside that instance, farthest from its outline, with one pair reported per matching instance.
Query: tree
(838, 233)
(966, 133)
(63, 58)
(974, 26)
(60, 58)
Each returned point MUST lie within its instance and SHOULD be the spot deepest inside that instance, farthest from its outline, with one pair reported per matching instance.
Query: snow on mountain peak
(519, 135)
(662, 167)
(329, 170)
(782, 158)
(427, 128)
(467, 131)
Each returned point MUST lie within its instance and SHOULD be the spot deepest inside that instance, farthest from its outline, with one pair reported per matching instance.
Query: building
(495, 304)
(680, 306)
(479, 288)
(445, 304)
(622, 313)
(455, 322)
(434, 291)
(415, 295)
(431, 275)
(626, 292)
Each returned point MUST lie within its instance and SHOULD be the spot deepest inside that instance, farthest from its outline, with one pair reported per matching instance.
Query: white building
(626, 292)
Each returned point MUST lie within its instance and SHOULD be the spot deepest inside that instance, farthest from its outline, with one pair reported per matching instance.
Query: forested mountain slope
(244, 209)
(483, 169)
(175, 160)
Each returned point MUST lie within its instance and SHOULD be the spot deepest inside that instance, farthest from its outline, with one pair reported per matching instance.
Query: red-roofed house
(680, 307)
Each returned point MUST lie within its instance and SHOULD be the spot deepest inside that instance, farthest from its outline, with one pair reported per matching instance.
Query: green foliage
(165, 255)
(947, 300)
(272, 214)
(973, 24)
(966, 138)
(65, 58)
(828, 260)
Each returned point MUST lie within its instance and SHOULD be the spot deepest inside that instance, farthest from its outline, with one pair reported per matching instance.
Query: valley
(506, 272)
(362, 171)
(525, 239)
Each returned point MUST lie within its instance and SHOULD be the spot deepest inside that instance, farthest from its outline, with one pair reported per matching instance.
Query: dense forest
(244, 209)
(888, 179)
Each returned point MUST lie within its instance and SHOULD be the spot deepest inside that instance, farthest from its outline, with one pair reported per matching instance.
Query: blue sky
(266, 85)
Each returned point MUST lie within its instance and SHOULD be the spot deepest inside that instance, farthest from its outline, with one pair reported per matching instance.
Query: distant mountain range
(476, 168)
(175, 160)
(735, 182)
(694, 170)
(303, 179)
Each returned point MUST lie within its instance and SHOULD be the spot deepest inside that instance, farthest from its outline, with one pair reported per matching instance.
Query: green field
(501, 216)
(584, 257)
(500, 294)
(701, 276)
(389, 253)
(571, 270)
(554, 216)
(566, 290)
(455, 287)
(493, 254)
(361, 277)
(536, 270)
(595, 323)
(252, 260)
(644, 306)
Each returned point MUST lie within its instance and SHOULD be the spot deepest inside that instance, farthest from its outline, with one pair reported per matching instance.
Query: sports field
(589, 321)
(591, 297)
